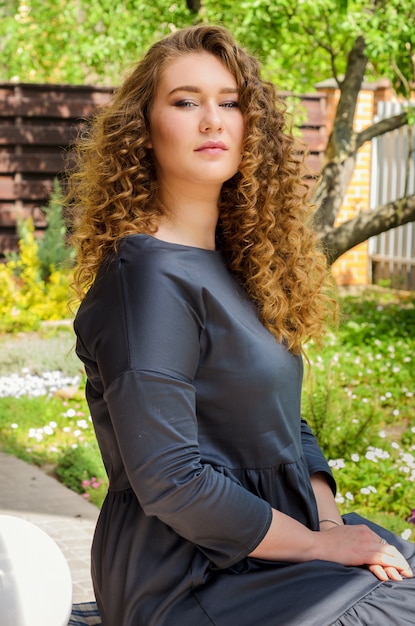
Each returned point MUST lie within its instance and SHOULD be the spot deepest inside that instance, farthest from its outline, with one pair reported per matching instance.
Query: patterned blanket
(84, 614)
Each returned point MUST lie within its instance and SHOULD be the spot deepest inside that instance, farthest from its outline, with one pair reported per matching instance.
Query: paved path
(29, 493)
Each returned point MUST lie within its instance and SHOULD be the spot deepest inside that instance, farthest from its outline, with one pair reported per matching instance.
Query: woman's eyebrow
(194, 89)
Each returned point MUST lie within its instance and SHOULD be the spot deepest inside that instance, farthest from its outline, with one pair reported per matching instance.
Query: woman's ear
(148, 143)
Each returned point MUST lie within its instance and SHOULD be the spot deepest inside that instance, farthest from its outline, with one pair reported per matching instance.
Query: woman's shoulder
(147, 256)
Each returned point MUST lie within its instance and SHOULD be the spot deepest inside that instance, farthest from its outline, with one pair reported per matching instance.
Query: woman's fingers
(394, 560)
(359, 545)
(379, 572)
(391, 563)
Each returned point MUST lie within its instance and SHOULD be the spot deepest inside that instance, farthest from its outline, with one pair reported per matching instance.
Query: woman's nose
(211, 119)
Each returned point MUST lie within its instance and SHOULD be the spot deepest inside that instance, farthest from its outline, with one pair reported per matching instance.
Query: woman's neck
(189, 222)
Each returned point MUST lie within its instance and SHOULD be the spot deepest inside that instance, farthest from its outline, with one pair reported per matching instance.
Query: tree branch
(328, 49)
(339, 240)
(381, 127)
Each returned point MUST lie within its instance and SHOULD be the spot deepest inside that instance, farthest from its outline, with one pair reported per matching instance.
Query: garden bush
(34, 283)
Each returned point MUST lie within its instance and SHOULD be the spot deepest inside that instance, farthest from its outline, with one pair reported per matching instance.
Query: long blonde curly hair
(264, 227)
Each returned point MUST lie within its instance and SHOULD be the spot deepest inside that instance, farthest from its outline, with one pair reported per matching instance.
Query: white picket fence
(392, 254)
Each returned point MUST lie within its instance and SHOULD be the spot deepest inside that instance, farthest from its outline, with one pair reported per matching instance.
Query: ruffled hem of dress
(390, 603)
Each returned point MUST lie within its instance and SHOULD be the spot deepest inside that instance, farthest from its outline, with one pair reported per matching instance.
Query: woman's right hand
(352, 545)
(359, 545)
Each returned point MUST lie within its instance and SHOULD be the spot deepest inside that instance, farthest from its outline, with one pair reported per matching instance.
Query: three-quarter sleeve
(316, 460)
(147, 349)
(154, 420)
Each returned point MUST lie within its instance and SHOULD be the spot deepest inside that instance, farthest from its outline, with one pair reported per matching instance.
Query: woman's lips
(212, 147)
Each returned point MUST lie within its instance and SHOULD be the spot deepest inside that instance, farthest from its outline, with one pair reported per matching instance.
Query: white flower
(349, 496)
(373, 454)
(355, 457)
(337, 463)
(406, 534)
(26, 384)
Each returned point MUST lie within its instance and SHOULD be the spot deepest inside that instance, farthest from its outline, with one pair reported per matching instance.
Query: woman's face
(196, 126)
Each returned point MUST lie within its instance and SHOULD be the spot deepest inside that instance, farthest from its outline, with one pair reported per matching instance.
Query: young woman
(202, 283)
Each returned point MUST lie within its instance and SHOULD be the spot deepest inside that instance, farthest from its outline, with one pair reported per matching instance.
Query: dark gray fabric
(197, 413)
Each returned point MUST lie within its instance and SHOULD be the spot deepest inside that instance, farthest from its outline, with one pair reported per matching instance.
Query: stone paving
(29, 493)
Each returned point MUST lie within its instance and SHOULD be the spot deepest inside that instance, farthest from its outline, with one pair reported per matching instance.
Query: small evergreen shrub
(34, 283)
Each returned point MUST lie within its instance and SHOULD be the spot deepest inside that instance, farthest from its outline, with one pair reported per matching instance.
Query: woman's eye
(232, 104)
(185, 103)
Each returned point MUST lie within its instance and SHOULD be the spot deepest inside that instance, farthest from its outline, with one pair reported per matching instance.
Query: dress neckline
(177, 246)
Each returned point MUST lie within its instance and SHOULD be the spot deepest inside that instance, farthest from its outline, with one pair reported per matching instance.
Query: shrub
(34, 284)
(79, 463)
(53, 252)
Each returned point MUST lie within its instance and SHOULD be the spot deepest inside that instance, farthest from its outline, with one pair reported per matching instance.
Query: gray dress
(196, 409)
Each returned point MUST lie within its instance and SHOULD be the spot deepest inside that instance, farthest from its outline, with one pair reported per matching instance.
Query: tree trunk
(342, 146)
(340, 162)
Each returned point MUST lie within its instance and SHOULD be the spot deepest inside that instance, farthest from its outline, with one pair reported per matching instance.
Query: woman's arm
(288, 540)
(328, 513)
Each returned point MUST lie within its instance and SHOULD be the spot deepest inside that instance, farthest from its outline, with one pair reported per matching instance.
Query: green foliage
(53, 251)
(56, 433)
(79, 41)
(32, 288)
(299, 41)
(77, 464)
(359, 399)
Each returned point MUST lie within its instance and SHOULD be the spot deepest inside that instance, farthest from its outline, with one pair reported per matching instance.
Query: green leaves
(300, 42)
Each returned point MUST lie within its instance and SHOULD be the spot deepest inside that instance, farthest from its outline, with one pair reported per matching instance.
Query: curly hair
(264, 228)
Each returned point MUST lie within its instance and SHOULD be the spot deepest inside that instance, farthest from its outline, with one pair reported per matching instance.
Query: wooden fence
(38, 123)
